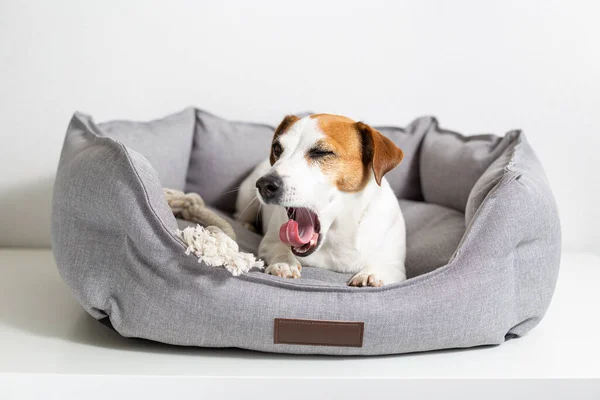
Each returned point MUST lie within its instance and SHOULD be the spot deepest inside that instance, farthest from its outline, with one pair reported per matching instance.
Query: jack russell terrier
(326, 202)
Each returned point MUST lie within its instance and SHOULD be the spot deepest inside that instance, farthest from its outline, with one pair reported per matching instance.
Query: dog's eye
(320, 153)
(276, 149)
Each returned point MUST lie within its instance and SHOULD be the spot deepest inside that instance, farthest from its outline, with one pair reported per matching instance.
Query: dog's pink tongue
(296, 234)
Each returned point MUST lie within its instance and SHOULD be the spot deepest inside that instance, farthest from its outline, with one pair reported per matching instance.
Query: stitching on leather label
(318, 333)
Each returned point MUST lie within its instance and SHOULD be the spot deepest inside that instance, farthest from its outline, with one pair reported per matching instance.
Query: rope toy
(217, 249)
(215, 244)
(191, 207)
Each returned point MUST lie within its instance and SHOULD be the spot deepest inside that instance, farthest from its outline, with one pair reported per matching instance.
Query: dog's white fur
(362, 232)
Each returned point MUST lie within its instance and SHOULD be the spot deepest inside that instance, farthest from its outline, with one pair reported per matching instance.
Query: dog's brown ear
(284, 125)
(281, 129)
(379, 151)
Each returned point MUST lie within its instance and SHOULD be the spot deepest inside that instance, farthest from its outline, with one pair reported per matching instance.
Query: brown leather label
(319, 333)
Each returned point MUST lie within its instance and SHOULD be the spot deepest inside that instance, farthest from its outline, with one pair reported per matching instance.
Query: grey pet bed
(483, 242)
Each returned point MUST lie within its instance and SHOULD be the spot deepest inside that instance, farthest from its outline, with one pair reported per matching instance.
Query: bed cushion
(166, 142)
(432, 235)
(451, 164)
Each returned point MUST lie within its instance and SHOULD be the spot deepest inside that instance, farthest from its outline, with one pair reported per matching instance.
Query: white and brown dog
(326, 201)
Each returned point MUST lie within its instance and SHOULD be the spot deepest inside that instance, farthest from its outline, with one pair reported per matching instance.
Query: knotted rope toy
(215, 244)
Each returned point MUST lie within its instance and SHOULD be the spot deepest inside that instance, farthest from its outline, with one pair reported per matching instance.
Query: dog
(326, 203)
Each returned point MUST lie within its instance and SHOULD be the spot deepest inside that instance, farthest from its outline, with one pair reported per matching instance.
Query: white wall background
(478, 66)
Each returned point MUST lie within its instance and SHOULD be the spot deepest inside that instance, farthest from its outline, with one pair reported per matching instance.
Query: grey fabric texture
(113, 237)
(159, 141)
(451, 164)
(432, 234)
(492, 175)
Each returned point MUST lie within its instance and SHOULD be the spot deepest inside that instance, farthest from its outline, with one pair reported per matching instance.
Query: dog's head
(318, 163)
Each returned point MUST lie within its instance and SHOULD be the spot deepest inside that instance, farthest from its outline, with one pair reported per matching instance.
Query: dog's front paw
(284, 270)
(362, 279)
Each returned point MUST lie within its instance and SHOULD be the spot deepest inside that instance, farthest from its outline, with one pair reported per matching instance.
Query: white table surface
(44, 333)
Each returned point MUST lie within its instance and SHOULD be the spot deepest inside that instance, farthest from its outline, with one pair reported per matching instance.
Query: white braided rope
(216, 249)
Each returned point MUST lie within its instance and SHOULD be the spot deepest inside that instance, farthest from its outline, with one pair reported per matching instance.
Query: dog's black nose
(270, 186)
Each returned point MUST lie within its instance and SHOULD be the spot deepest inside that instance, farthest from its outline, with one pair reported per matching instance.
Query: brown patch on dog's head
(344, 166)
(284, 125)
(350, 150)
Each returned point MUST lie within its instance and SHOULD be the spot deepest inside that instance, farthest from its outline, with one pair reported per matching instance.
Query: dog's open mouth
(301, 231)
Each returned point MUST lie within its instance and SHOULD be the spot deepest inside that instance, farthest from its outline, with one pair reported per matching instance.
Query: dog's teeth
(300, 249)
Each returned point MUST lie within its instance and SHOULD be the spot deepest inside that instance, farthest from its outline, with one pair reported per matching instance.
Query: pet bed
(483, 242)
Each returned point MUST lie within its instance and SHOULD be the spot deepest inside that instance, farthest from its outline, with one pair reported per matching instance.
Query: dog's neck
(352, 207)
